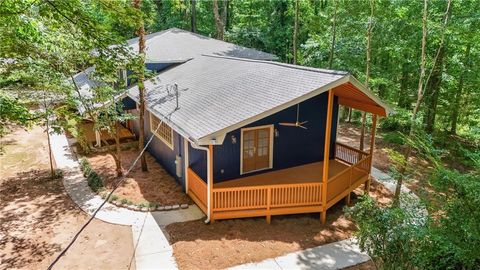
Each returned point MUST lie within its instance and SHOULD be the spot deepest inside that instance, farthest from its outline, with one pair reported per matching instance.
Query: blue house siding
(293, 147)
(198, 161)
(163, 154)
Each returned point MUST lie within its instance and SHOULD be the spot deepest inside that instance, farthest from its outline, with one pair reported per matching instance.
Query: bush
(94, 180)
(394, 137)
(400, 121)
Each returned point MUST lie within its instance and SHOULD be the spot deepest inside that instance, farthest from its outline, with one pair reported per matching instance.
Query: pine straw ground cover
(227, 243)
(140, 188)
(38, 218)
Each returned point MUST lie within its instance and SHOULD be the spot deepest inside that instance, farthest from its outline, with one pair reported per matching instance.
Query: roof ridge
(299, 67)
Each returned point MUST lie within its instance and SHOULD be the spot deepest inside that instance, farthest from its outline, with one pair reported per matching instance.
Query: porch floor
(308, 173)
(88, 129)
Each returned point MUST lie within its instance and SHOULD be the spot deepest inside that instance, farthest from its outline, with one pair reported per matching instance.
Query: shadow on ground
(30, 203)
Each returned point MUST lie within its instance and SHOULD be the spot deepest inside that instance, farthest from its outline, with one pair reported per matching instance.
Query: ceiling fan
(297, 123)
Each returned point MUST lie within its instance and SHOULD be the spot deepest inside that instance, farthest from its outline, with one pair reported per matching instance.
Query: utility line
(105, 200)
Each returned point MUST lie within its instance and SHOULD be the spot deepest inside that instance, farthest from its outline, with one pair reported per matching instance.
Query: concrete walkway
(336, 255)
(152, 250)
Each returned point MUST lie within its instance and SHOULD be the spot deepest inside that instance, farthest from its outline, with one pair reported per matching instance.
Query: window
(164, 132)
(256, 149)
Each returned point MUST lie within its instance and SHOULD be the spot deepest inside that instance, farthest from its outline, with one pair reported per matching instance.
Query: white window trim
(152, 129)
(270, 166)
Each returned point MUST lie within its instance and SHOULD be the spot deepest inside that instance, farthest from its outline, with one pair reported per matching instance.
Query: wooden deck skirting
(197, 189)
(286, 198)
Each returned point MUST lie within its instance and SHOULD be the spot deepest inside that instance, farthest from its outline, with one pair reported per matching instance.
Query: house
(165, 49)
(246, 136)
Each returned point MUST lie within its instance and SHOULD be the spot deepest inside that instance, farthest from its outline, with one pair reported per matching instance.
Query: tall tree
(141, 78)
(295, 33)
(218, 21)
(459, 92)
(334, 34)
(193, 16)
(420, 91)
(367, 71)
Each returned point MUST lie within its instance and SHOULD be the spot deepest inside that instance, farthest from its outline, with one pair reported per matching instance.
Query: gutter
(209, 176)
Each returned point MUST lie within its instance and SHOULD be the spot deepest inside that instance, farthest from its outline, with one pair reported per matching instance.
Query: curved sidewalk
(152, 249)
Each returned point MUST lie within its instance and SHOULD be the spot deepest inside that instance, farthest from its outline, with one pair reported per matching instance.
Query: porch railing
(197, 189)
(349, 154)
(266, 197)
(268, 200)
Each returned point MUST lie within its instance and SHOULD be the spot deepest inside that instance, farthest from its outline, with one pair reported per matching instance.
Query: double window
(164, 132)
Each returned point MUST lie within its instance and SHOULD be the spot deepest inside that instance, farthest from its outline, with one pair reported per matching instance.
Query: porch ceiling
(308, 173)
(351, 96)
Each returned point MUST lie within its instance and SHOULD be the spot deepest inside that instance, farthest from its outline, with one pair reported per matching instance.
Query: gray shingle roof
(220, 94)
(174, 45)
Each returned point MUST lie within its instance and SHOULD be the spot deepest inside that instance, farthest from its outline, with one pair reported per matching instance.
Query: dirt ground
(228, 243)
(38, 219)
(156, 185)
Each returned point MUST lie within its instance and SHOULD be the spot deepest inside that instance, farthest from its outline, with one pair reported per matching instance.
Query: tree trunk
(420, 93)
(413, 120)
(225, 15)
(458, 94)
(334, 34)
(193, 16)
(432, 92)
(141, 86)
(218, 21)
(117, 156)
(367, 72)
(403, 98)
(295, 33)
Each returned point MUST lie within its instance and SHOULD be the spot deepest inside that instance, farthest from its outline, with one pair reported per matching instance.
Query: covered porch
(312, 187)
(289, 191)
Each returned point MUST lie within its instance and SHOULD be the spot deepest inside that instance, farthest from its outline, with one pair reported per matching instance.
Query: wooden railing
(266, 200)
(341, 184)
(349, 154)
(197, 189)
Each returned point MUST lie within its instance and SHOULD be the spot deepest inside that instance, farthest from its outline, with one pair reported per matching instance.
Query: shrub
(94, 180)
(394, 137)
(124, 201)
(400, 121)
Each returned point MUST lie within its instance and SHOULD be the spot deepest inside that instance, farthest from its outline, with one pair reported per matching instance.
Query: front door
(256, 149)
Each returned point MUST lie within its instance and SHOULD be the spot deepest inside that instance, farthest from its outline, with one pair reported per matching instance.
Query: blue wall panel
(198, 161)
(293, 147)
(128, 103)
(160, 151)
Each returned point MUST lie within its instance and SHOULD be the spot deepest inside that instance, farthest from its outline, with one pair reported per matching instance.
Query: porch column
(97, 139)
(372, 147)
(326, 155)
(185, 163)
(210, 180)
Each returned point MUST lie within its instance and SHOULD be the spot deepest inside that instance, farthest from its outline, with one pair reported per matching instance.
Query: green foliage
(400, 121)
(94, 180)
(13, 111)
(389, 235)
(394, 137)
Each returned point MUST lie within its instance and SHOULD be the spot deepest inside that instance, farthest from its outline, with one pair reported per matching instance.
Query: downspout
(209, 176)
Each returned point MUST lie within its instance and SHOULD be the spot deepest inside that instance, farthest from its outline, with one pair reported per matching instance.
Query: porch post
(98, 142)
(185, 163)
(210, 184)
(372, 146)
(326, 155)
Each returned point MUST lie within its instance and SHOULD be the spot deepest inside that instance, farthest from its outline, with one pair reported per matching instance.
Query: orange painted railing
(268, 200)
(349, 154)
(347, 180)
(197, 189)
(266, 197)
